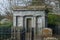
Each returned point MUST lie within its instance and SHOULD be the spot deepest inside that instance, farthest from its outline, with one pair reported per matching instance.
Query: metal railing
(5, 33)
(23, 35)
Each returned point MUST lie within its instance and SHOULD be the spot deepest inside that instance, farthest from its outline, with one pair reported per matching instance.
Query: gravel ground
(57, 36)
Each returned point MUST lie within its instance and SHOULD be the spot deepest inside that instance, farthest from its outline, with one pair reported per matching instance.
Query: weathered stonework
(29, 17)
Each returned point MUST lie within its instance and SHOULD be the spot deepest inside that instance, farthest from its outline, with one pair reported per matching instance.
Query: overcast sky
(4, 5)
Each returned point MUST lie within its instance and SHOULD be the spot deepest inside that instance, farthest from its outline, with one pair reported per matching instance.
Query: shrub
(52, 18)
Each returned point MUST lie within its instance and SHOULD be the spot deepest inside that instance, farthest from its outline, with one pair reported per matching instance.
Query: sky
(22, 2)
(4, 6)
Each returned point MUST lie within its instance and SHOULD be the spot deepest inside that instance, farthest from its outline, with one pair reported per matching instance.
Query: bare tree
(37, 2)
(9, 16)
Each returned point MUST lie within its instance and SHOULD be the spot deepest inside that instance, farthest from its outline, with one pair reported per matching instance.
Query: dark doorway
(53, 27)
(28, 24)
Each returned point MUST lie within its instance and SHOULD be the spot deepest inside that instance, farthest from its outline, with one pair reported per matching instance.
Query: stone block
(50, 38)
(47, 32)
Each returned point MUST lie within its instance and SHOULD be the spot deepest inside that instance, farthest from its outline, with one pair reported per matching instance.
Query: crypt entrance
(28, 24)
(32, 22)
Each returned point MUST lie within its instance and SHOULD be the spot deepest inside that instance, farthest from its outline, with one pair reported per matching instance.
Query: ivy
(53, 19)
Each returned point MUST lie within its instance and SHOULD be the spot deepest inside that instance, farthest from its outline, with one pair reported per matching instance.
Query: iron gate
(24, 35)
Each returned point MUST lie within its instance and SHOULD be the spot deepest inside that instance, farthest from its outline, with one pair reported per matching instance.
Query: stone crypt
(28, 17)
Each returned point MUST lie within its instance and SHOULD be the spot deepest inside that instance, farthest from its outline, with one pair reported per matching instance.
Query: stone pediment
(30, 7)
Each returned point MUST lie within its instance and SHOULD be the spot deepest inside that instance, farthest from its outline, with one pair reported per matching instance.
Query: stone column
(14, 21)
(19, 28)
(13, 29)
(16, 28)
(34, 24)
(18, 33)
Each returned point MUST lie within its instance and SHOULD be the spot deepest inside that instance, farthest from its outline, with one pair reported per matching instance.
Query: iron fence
(5, 33)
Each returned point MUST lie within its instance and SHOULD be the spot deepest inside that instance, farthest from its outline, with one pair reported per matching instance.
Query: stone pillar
(14, 32)
(43, 22)
(39, 25)
(34, 24)
(18, 33)
(14, 21)
(19, 28)
(16, 28)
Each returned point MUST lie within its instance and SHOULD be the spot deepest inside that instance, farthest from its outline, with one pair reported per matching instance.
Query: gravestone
(47, 32)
